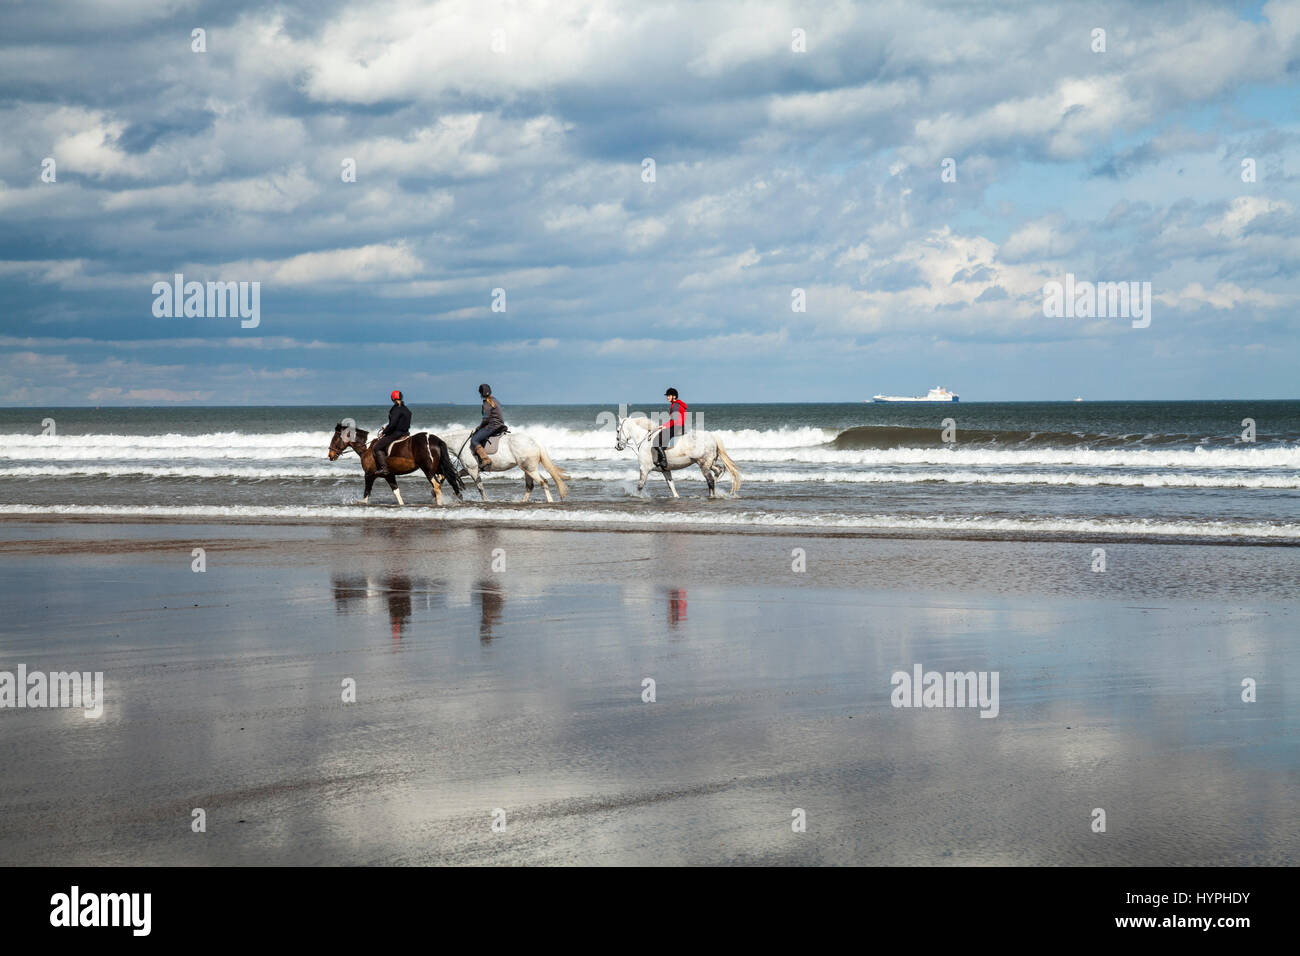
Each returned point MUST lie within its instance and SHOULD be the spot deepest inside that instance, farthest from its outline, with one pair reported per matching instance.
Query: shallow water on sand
(521, 688)
(1128, 470)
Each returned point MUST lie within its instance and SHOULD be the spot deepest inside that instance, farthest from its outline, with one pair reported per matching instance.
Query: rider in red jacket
(665, 433)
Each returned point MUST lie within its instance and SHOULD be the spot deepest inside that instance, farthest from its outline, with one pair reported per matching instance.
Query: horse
(693, 448)
(421, 450)
(514, 450)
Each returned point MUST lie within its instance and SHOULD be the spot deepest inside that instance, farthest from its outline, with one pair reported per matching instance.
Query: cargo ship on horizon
(936, 394)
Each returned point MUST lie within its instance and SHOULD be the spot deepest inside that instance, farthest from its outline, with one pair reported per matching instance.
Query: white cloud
(1225, 295)
(727, 272)
(1039, 239)
(381, 262)
(1241, 212)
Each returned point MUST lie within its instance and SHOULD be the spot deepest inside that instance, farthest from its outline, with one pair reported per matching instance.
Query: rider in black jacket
(399, 426)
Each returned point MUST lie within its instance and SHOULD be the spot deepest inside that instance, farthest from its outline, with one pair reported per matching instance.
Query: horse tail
(729, 465)
(445, 467)
(558, 474)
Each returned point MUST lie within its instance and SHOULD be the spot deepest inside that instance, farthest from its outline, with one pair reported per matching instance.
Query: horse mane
(642, 422)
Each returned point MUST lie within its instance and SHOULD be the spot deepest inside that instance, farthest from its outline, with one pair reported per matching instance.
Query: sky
(653, 188)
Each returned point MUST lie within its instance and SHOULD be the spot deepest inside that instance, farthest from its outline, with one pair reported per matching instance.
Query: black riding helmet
(485, 390)
(671, 393)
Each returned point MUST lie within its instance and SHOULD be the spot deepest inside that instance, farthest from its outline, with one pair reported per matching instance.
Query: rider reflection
(491, 600)
(395, 589)
(676, 606)
(399, 604)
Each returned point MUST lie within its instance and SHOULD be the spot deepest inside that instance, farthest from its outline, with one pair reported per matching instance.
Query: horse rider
(398, 427)
(493, 422)
(665, 433)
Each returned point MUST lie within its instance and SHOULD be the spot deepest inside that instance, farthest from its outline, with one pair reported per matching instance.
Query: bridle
(347, 445)
(621, 442)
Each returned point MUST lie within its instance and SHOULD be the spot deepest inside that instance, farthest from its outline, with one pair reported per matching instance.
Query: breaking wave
(864, 446)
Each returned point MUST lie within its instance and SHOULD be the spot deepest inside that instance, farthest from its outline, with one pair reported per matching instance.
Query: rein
(352, 446)
(631, 441)
(459, 461)
(618, 433)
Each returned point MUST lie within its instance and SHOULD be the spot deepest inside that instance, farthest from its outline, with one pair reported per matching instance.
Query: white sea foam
(1200, 458)
(768, 475)
(544, 515)
(779, 475)
(791, 446)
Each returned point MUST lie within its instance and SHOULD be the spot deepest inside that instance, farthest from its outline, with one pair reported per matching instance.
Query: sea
(1178, 472)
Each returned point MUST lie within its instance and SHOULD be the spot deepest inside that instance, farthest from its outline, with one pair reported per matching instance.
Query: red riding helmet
(396, 396)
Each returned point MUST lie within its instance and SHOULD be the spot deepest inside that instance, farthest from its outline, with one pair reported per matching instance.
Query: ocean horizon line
(656, 402)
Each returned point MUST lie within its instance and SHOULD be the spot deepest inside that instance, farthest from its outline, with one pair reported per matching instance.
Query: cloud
(363, 264)
(1045, 238)
(501, 146)
(1224, 295)
(115, 395)
(726, 273)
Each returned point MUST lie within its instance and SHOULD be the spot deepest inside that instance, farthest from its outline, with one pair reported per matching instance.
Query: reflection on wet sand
(676, 606)
(490, 597)
(351, 592)
(780, 698)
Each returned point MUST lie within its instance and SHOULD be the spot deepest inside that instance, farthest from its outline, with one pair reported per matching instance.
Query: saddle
(490, 446)
(398, 449)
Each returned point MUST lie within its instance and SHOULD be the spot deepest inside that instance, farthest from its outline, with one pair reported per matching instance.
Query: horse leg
(478, 482)
(708, 476)
(370, 483)
(645, 473)
(668, 477)
(528, 486)
(536, 475)
(397, 492)
(430, 469)
(436, 482)
(715, 465)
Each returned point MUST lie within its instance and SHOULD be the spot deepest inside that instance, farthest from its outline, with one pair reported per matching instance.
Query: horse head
(346, 435)
(624, 434)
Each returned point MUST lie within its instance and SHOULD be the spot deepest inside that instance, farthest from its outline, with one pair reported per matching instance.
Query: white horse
(692, 448)
(514, 450)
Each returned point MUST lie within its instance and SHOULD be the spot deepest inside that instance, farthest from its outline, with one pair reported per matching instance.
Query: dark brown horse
(424, 451)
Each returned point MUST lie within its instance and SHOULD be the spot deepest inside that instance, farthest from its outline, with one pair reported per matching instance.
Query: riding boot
(381, 464)
(484, 462)
(660, 457)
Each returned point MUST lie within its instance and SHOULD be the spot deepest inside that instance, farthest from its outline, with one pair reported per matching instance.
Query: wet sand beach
(500, 668)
